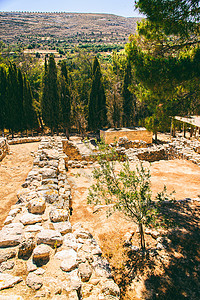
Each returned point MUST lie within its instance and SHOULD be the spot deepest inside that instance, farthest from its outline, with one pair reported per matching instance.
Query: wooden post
(184, 133)
(171, 128)
(195, 131)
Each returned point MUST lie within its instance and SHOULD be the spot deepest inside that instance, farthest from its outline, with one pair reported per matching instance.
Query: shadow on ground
(181, 276)
(172, 274)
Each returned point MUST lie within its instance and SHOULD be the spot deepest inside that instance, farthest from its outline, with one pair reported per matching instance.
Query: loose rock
(37, 206)
(41, 252)
(8, 281)
(85, 271)
(34, 281)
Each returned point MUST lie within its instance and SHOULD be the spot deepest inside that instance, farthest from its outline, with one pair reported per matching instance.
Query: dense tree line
(76, 94)
(17, 112)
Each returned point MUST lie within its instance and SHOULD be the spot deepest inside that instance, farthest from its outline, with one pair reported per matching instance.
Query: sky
(118, 7)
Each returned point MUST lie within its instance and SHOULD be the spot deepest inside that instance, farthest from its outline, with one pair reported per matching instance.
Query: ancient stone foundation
(41, 255)
(178, 148)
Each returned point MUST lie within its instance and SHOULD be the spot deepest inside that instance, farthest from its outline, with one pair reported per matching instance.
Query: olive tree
(125, 190)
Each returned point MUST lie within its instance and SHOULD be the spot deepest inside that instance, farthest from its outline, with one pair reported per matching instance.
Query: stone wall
(24, 140)
(4, 148)
(4, 144)
(183, 148)
(41, 254)
(138, 133)
(178, 148)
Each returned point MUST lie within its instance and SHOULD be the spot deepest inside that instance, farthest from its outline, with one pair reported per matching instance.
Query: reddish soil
(14, 169)
(173, 273)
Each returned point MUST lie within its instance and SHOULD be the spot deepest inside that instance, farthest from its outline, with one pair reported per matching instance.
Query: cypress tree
(12, 99)
(97, 103)
(3, 98)
(50, 98)
(65, 99)
(30, 117)
(19, 106)
(64, 71)
(129, 99)
(44, 100)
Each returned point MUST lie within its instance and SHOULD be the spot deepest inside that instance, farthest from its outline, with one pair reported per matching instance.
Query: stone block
(37, 206)
(50, 237)
(29, 219)
(59, 215)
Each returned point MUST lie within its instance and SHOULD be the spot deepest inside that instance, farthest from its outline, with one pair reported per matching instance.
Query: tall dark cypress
(65, 99)
(19, 106)
(44, 101)
(12, 99)
(3, 98)
(129, 99)
(97, 103)
(50, 98)
(64, 71)
(30, 117)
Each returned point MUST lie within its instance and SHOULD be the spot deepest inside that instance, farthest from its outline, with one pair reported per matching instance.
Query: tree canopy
(174, 16)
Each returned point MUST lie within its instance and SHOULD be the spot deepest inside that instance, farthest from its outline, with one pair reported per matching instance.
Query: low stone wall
(24, 140)
(124, 142)
(183, 148)
(4, 148)
(138, 133)
(178, 148)
(41, 254)
(151, 153)
(79, 154)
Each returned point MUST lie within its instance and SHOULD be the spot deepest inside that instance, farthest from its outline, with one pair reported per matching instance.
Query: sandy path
(13, 171)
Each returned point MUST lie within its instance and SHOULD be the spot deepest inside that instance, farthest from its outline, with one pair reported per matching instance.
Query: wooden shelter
(193, 121)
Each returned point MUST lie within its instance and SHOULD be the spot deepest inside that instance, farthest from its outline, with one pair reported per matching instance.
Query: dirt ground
(174, 272)
(14, 169)
(180, 176)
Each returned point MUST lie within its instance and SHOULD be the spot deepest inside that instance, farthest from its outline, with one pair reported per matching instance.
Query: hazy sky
(118, 7)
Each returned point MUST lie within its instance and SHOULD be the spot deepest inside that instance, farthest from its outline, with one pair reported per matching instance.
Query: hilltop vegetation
(63, 31)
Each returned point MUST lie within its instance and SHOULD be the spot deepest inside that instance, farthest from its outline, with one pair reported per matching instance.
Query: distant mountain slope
(25, 28)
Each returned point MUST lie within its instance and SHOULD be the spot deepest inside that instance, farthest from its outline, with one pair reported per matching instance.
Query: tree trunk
(41, 123)
(184, 132)
(67, 133)
(142, 240)
(156, 136)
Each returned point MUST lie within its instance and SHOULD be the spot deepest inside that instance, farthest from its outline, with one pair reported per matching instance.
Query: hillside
(47, 29)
